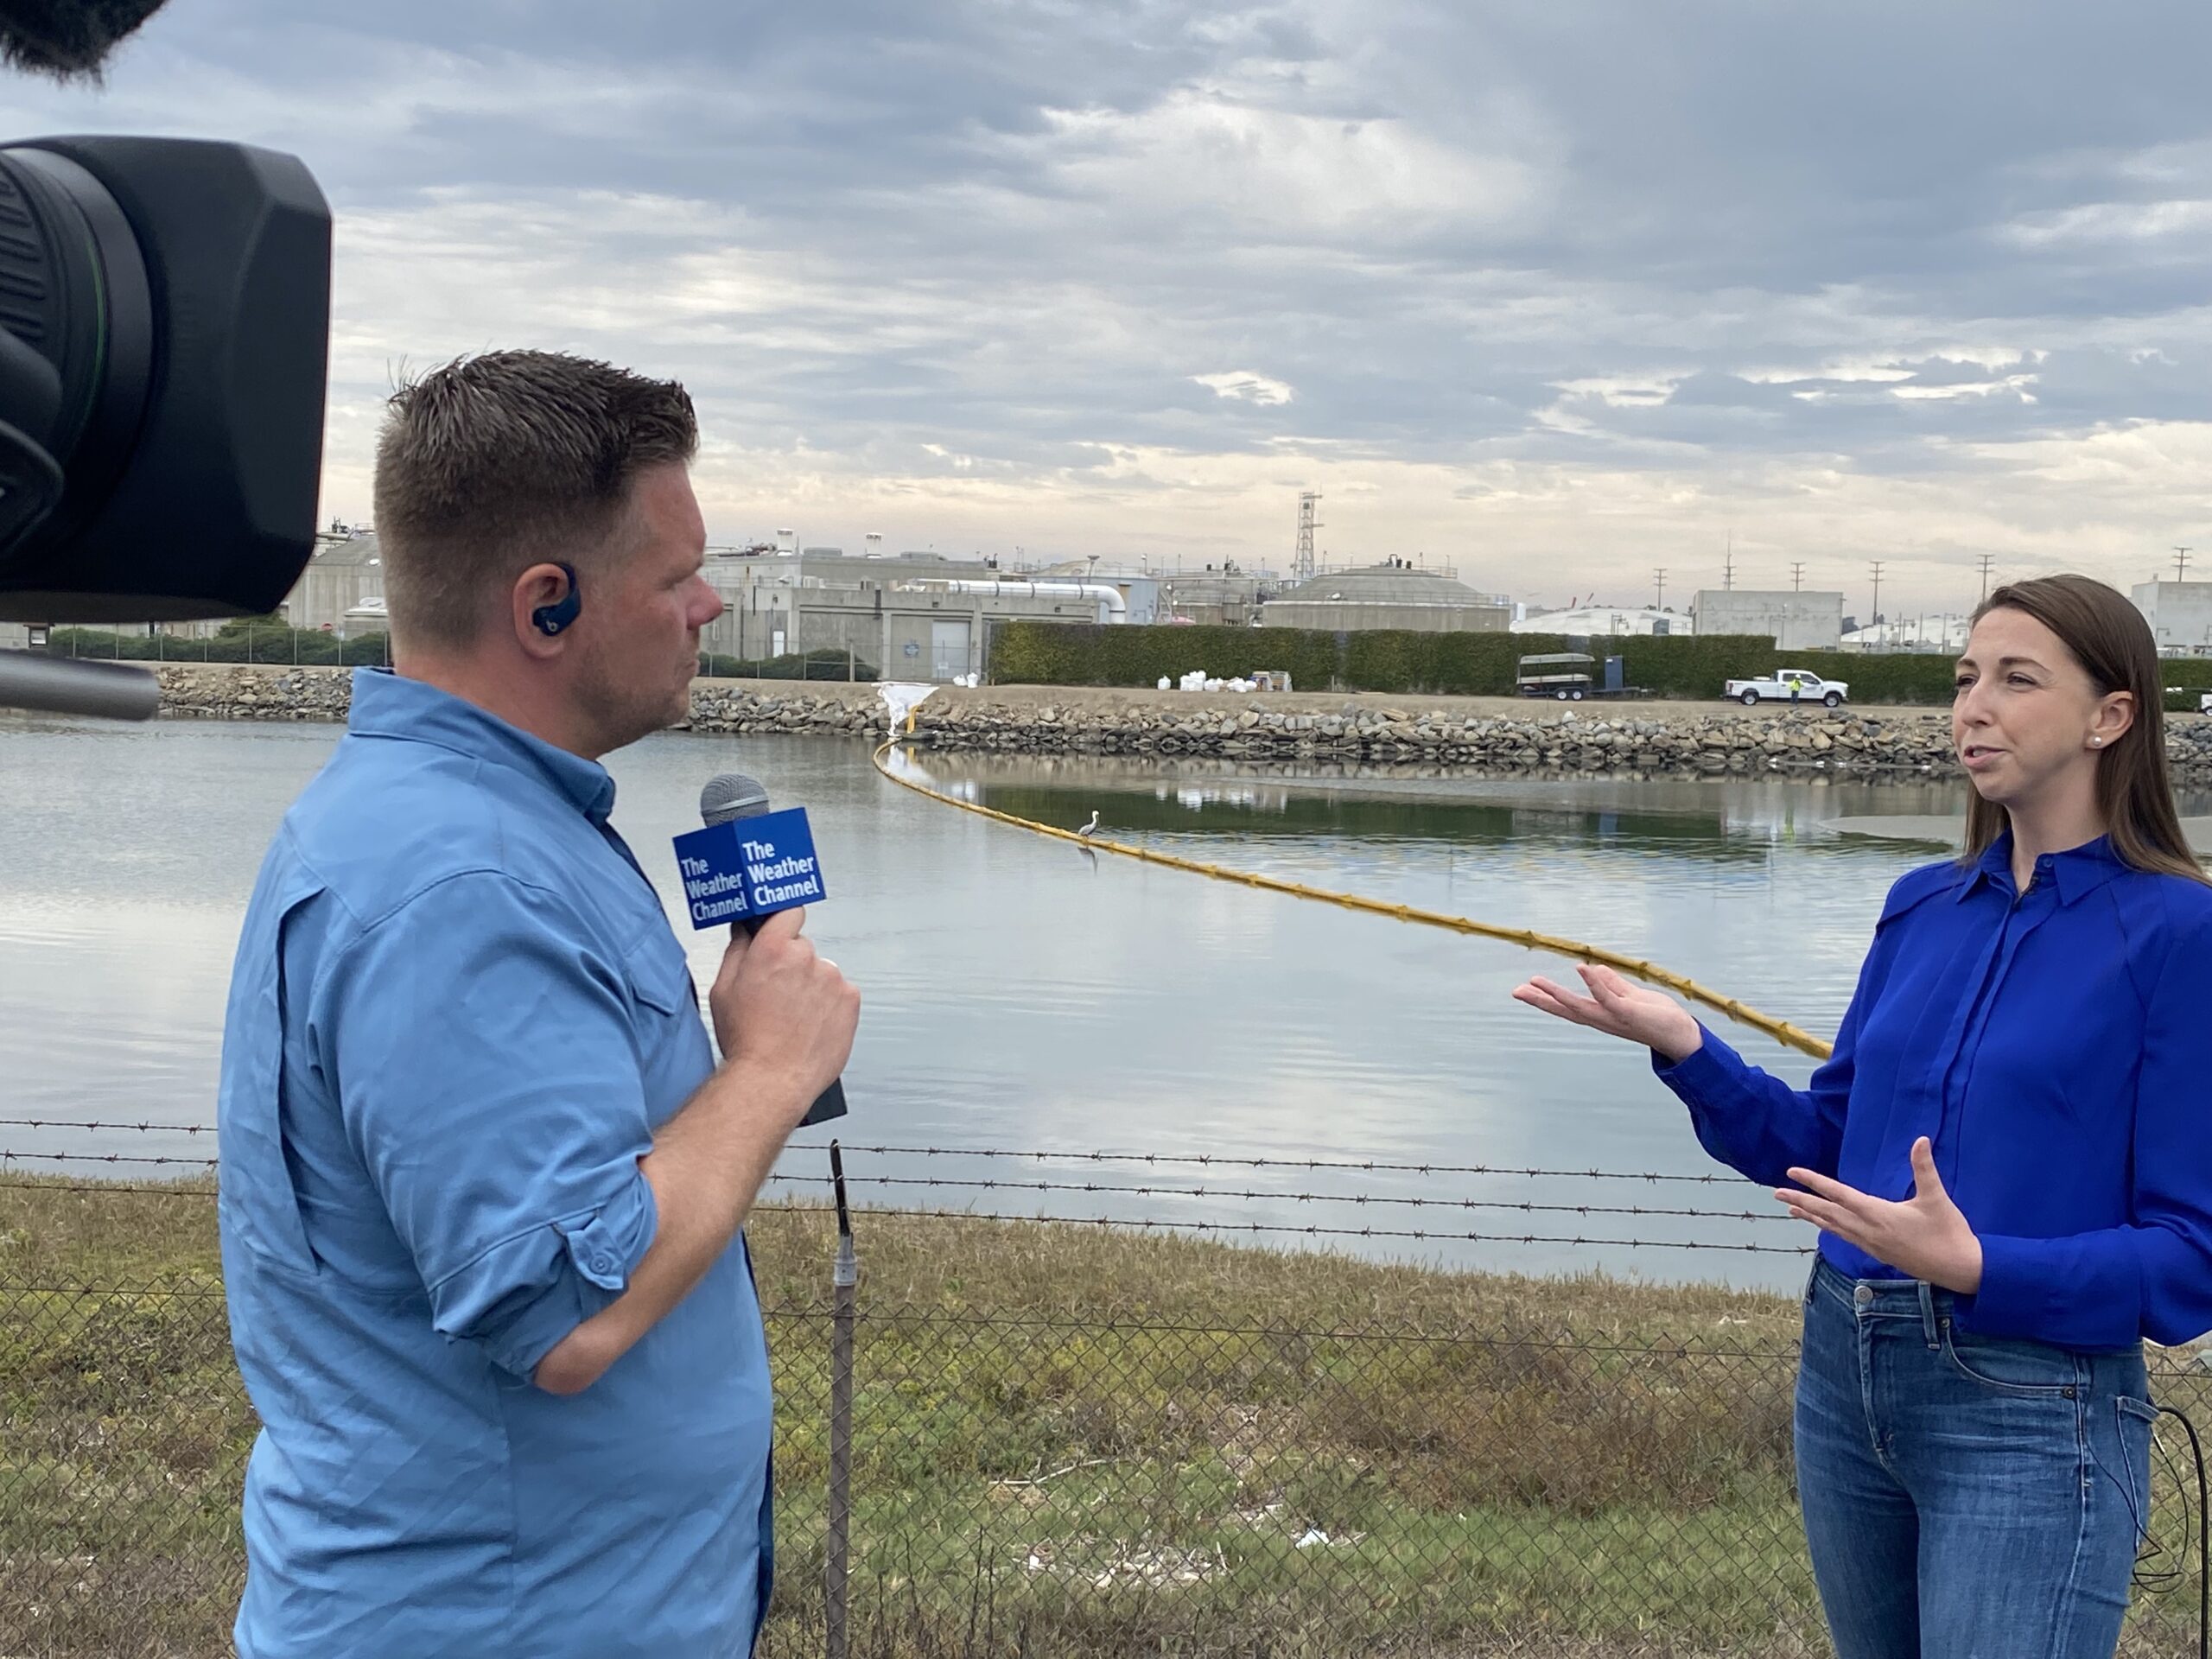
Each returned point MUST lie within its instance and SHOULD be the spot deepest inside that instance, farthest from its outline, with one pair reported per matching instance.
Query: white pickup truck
(1788, 685)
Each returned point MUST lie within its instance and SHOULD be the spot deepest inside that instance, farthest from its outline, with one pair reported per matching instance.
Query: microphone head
(732, 795)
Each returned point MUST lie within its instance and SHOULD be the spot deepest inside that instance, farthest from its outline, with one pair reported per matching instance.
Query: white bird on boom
(1090, 828)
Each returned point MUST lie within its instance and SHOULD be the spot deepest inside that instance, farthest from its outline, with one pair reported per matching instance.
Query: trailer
(1567, 677)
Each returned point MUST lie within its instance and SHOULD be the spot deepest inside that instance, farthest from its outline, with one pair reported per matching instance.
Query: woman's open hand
(1926, 1237)
(1620, 1008)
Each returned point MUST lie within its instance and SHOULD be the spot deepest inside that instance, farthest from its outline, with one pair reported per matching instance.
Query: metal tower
(1301, 568)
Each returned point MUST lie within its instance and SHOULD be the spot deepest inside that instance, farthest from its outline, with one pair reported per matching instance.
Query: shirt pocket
(660, 975)
(674, 1054)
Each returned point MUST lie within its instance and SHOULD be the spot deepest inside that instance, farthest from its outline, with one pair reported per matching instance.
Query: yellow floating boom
(1781, 1030)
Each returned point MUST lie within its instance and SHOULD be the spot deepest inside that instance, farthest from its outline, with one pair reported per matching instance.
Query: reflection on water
(1020, 993)
(1720, 817)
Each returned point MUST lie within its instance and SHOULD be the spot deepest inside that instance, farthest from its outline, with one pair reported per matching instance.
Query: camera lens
(77, 352)
(164, 331)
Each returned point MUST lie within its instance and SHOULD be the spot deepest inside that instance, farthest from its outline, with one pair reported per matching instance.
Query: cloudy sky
(1555, 292)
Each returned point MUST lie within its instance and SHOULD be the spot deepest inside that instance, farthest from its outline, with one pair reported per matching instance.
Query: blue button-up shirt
(457, 1016)
(2055, 1048)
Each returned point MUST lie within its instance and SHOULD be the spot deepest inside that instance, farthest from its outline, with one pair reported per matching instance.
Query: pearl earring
(2094, 741)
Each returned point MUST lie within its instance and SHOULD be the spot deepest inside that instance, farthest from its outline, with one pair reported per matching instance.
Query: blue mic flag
(749, 869)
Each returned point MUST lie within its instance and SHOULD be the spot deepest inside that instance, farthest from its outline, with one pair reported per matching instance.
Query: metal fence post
(844, 1280)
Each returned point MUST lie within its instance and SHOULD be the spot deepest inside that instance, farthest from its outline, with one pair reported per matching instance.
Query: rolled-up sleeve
(486, 1065)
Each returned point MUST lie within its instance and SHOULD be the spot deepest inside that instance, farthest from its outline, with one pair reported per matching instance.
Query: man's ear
(542, 604)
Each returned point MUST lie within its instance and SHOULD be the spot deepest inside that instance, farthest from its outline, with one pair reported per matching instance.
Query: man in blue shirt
(482, 1178)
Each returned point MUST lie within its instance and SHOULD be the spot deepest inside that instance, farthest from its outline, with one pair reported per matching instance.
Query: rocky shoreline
(1457, 734)
(1402, 733)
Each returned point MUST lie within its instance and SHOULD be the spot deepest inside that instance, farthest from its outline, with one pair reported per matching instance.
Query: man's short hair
(491, 464)
(68, 40)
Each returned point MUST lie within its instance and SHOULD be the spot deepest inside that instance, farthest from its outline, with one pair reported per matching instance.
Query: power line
(2181, 562)
(1797, 578)
(1659, 575)
(1877, 589)
(1987, 560)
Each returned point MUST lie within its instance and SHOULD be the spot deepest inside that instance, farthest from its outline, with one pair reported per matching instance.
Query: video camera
(164, 341)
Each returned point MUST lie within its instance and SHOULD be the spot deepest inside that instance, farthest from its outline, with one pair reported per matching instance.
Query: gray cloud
(1575, 288)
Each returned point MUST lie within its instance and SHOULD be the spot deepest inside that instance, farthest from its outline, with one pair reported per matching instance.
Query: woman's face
(2026, 718)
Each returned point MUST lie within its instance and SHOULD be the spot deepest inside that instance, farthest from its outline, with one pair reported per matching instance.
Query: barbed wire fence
(1077, 1403)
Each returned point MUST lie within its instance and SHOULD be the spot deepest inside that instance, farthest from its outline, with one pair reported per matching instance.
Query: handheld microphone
(726, 798)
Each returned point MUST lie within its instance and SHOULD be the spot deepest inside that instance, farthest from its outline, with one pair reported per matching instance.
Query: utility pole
(1877, 590)
(1988, 559)
(1797, 578)
(1728, 564)
(1660, 576)
(2181, 562)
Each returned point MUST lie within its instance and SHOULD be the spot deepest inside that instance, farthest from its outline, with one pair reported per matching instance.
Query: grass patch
(1068, 1441)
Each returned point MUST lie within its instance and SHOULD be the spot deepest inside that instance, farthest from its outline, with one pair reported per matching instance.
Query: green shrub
(1892, 676)
(1680, 665)
(242, 640)
(1694, 667)
(1087, 653)
(1444, 664)
(1380, 659)
(365, 648)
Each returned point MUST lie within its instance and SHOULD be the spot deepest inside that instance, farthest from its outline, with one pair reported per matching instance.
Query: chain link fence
(1066, 1440)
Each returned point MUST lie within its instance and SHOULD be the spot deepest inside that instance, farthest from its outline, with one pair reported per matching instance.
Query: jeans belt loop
(1928, 1325)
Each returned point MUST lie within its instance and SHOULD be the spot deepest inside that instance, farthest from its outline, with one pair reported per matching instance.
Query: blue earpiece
(551, 618)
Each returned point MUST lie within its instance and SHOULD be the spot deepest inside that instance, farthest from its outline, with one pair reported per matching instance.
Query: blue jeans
(1965, 1496)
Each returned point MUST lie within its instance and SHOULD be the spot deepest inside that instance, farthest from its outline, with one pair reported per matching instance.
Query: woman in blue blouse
(2009, 1157)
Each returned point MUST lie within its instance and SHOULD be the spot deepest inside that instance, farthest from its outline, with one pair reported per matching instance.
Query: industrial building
(906, 615)
(1943, 632)
(1794, 620)
(2180, 615)
(1392, 595)
(1222, 597)
(345, 570)
(1140, 589)
(1597, 621)
(916, 616)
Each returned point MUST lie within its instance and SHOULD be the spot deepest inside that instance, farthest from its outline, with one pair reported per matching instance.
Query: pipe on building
(1118, 606)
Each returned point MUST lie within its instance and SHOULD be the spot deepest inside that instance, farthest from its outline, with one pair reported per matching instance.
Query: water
(1022, 995)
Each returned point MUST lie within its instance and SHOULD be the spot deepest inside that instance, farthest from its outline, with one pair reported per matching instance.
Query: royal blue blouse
(2055, 1045)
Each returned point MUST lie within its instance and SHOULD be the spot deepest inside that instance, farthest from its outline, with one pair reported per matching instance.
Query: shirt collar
(386, 704)
(2074, 874)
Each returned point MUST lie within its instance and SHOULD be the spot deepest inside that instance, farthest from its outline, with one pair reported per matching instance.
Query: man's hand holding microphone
(784, 1019)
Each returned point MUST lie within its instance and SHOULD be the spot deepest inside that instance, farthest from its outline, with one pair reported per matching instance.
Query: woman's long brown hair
(2112, 642)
